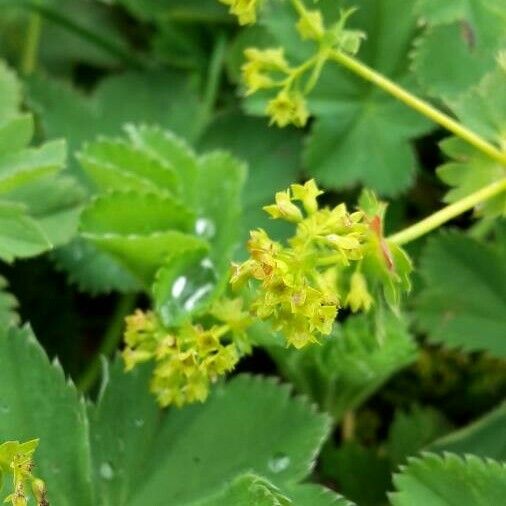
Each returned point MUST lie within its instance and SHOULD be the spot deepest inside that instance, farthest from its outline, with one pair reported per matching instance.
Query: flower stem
(110, 342)
(448, 213)
(419, 105)
(29, 59)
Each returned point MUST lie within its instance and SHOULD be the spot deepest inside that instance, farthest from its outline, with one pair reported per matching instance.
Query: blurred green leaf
(20, 235)
(412, 431)
(463, 304)
(450, 481)
(351, 465)
(351, 364)
(8, 306)
(459, 45)
(484, 437)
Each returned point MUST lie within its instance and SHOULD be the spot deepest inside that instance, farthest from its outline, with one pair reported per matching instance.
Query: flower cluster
(268, 69)
(298, 283)
(245, 10)
(332, 261)
(187, 359)
(16, 459)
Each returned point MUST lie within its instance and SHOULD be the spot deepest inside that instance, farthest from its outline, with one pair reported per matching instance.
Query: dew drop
(205, 228)
(139, 422)
(106, 471)
(178, 286)
(279, 462)
(4, 409)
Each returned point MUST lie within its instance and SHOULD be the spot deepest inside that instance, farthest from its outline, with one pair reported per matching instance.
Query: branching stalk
(418, 105)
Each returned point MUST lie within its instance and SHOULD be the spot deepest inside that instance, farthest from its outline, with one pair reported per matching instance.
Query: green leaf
(450, 481)
(118, 165)
(485, 437)
(463, 304)
(140, 230)
(169, 149)
(273, 158)
(459, 45)
(20, 235)
(54, 203)
(316, 495)
(192, 11)
(469, 171)
(37, 402)
(412, 431)
(247, 490)
(143, 456)
(8, 306)
(92, 270)
(219, 183)
(361, 135)
(483, 108)
(351, 465)
(350, 365)
(16, 133)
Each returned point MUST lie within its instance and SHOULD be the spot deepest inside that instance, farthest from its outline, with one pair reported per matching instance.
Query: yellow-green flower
(284, 208)
(359, 297)
(262, 68)
(307, 194)
(245, 10)
(288, 107)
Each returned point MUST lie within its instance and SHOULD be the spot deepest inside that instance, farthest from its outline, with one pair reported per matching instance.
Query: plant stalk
(448, 213)
(110, 342)
(418, 105)
(29, 58)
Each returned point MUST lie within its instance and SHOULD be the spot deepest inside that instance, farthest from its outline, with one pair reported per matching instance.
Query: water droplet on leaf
(139, 422)
(205, 228)
(279, 462)
(185, 286)
(106, 471)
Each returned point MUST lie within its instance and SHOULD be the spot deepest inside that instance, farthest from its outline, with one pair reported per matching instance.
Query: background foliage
(124, 130)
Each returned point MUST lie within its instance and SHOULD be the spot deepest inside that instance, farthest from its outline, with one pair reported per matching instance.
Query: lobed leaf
(181, 456)
(37, 402)
(463, 303)
(450, 481)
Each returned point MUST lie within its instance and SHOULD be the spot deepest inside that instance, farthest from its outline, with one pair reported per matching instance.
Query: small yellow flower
(284, 208)
(245, 10)
(288, 107)
(359, 296)
(261, 68)
(307, 194)
(310, 25)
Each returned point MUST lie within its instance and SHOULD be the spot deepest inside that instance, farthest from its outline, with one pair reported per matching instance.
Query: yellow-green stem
(419, 105)
(448, 213)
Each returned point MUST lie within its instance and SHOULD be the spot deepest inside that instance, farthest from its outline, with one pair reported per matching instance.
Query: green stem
(212, 82)
(448, 213)
(348, 426)
(29, 60)
(110, 342)
(419, 105)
